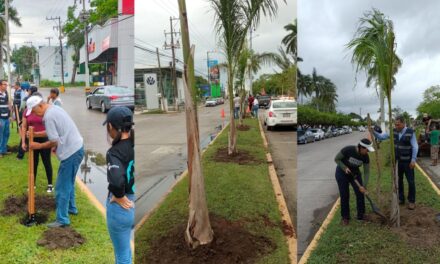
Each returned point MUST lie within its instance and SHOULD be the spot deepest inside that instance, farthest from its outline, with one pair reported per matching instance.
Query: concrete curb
(330, 216)
(184, 174)
(291, 240)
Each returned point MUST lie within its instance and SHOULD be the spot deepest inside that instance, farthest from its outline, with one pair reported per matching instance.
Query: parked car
(347, 129)
(335, 132)
(305, 137)
(281, 113)
(210, 102)
(263, 101)
(328, 133)
(319, 133)
(219, 100)
(362, 129)
(105, 97)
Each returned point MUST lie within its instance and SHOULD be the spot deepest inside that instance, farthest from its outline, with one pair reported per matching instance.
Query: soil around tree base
(243, 157)
(418, 227)
(14, 205)
(232, 244)
(243, 127)
(61, 238)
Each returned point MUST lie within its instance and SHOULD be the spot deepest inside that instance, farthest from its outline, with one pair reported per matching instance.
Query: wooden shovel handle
(31, 183)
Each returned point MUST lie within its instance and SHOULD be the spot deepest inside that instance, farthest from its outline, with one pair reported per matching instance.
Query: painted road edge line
(180, 178)
(282, 206)
(436, 189)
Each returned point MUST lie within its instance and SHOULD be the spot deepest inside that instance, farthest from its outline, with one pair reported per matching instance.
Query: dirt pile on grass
(418, 227)
(243, 127)
(243, 157)
(61, 238)
(18, 204)
(232, 244)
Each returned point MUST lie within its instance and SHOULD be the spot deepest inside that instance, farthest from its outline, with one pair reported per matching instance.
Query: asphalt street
(282, 146)
(161, 151)
(318, 189)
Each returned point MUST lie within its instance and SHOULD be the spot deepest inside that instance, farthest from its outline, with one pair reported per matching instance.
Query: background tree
(373, 48)
(102, 10)
(290, 39)
(23, 58)
(431, 102)
(74, 30)
(13, 17)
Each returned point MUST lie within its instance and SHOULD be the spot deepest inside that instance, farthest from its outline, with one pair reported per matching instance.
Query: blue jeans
(65, 186)
(120, 222)
(236, 112)
(4, 134)
(255, 110)
(403, 168)
(344, 182)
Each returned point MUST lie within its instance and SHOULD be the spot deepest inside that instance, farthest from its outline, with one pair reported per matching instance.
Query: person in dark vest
(348, 161)
(19, 96)
(5, 115)
(405, 149)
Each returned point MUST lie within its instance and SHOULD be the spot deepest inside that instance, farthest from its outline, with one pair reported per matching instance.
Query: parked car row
(214, 101)
(317, 134)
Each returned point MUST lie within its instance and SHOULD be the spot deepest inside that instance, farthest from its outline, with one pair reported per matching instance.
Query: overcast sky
(152, 18)
(326, 26)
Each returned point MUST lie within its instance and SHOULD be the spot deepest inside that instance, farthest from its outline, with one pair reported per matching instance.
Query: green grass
(233, 191)
(370, 242)
(154, 112)
(18, 243)
(53, 84)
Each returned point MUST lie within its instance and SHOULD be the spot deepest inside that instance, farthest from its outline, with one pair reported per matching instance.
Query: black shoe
(56, 224)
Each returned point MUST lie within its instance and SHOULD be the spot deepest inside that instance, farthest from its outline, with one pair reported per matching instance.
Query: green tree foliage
(283, 83)
(321, 89)
(13, 17)
(23, 58)
(102, 10)
(74, 30)
(431, 102)
(290, 39)
(308, 115)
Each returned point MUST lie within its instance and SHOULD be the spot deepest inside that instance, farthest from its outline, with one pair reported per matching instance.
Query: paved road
(161, 151)
(318, 189)
(282, 146)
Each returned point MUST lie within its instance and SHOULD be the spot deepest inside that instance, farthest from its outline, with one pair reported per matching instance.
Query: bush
(49, 83)
(310, 116)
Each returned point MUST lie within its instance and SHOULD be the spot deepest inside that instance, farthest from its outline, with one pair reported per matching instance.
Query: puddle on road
(93, 174)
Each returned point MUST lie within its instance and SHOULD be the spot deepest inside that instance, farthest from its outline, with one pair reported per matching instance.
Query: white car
(318, 133)
(211, 102)
(362, 129)
(281, 113)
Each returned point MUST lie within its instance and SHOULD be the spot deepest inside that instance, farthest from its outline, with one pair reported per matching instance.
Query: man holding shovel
(65, 137)
(348, 161)
(405, 149)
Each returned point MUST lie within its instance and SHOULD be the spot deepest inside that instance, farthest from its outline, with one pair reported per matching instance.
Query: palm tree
(374, 52)
(233, 18)
(304, 85)
(13, 17)
(290, 40)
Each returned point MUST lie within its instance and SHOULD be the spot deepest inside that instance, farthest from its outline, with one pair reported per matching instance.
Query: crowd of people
(252, 103)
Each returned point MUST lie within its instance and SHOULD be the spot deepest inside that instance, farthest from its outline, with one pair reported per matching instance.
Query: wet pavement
(319, 191)
(432, 171)
(161, 151)
(282, 146)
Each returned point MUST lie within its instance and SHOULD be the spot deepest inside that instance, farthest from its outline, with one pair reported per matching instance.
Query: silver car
(105, 97)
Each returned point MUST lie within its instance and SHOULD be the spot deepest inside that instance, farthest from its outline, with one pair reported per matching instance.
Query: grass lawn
(233, 192)
(18, 243)
(371, 242)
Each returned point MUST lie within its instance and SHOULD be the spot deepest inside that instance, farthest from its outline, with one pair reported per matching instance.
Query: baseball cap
(31, 102)
(119, 116)
(366, 143)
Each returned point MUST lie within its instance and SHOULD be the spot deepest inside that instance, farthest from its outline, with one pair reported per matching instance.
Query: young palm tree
(13, 17)
(290, 39)
(374, 52)
(233, 18)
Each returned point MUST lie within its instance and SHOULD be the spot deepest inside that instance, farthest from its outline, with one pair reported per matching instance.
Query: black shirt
(120, 168)
(353, 159)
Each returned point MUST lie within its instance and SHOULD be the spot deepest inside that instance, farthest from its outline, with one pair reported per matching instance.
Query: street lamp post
(84, 17)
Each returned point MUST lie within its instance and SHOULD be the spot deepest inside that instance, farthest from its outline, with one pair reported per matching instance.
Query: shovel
(376, 209)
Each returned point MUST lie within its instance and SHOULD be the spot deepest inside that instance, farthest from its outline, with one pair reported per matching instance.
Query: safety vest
(4, 105)
(402, 147)
(17, 97)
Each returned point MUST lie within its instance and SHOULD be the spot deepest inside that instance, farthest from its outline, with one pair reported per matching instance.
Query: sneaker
(73, 213)
(56, 224)
(49, 188)
(411, 206)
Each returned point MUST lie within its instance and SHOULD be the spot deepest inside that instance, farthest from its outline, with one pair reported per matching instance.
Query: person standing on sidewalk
(64, 136)
(237, 102)
(434, 138)
(405, 149)
(255, 107)
(54, 97)
(120, 177)
(250, 102)
(348, 161)
(5, 115)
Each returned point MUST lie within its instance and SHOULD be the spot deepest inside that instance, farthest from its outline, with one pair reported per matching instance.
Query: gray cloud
(325, 27)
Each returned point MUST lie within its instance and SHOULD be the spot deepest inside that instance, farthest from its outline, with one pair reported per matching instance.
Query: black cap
(119, 116)
(33, 89)
(377, 129)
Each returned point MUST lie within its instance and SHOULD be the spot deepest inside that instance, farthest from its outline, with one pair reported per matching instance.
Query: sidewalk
(433, 171)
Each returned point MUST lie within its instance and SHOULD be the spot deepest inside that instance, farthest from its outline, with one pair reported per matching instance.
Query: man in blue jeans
(65, 137)
(5, 114)
(405, 149)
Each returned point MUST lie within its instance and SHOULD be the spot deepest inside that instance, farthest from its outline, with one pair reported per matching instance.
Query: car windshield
(264, 97)
(314, 130)
(284, 104)
(301, 132)
(119, 90)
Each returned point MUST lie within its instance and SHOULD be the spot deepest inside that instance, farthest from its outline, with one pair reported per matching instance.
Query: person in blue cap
(120, 177)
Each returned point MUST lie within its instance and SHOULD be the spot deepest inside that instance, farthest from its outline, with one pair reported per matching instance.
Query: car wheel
(269, 128)
(103, 109)
(89, 105)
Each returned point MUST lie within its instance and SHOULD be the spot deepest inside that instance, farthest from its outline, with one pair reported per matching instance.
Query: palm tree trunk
(395, 210)
(2, 72)
(232, 137)
(382, 109)
(377, 158)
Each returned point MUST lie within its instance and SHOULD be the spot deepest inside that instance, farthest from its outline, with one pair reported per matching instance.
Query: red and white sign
(128, 7)
(105, 43)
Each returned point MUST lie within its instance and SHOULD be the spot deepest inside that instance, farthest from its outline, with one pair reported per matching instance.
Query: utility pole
(8, 47)
(162, 98)
(84, 17)
(173, 46)
(48, 38)
(60, 36)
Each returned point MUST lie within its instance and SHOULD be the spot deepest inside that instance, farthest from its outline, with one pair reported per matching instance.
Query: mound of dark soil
(40, 218)
(61, 238)
(12, 149)
(243, 127)
(232, 244)
(18, 204)
(418, 227)
(243, 157)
